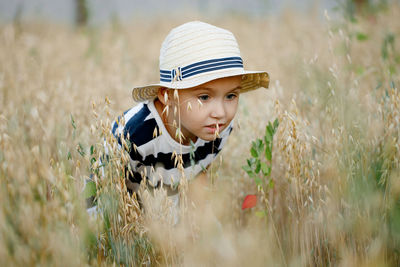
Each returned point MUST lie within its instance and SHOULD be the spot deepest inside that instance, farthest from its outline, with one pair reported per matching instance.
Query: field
(332, 197)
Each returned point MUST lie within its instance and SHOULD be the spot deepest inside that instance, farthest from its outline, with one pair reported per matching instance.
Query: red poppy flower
(249, 202)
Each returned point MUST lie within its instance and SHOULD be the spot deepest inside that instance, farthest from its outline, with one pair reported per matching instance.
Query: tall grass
(335, 198)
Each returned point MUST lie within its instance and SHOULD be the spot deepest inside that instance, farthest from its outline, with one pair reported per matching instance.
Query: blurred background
(97, 12)
(326, 180)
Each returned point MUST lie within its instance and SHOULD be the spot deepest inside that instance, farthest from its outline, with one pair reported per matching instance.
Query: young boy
(183, 122)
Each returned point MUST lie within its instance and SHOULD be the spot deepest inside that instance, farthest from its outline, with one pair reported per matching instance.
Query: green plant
(260, 162)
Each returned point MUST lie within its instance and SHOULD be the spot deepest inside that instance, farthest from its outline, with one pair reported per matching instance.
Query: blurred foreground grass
(335, 194)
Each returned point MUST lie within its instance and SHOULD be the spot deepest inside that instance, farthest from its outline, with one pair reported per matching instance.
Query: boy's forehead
(228, 83)
(212, 88)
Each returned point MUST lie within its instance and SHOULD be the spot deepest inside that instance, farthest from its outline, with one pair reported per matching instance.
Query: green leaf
(260, 144)
(258, 166)
(271, 183)
(253, 152)
(91, 150)
(247, 169)
(90, 189)
(73, 122)
(258, 181)
(270, 130)
(81, 150)
(107, 223)
(361, 36)
(268, 138)
(268, 153)
(261, 213)
(258, 141)
(276, 124)
(249, 163)
(266, 170)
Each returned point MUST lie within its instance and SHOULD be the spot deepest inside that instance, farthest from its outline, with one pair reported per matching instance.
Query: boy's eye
(203, 97)
(231, 96)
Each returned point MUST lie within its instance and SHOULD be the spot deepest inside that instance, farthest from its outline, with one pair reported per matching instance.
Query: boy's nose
(218, 111)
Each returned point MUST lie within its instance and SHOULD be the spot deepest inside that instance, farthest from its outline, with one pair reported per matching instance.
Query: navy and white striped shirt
(153, 156)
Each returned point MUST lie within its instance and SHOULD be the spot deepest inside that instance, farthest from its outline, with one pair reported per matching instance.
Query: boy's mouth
(212, 128)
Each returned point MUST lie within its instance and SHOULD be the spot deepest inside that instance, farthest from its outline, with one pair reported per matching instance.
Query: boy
(182, 122)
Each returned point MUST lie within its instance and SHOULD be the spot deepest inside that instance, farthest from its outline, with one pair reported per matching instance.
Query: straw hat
(195, 53)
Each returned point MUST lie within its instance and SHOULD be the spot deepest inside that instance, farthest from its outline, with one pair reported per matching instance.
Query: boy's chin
(209, 137)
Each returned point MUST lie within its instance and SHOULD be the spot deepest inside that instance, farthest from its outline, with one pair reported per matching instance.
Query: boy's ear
(163, 95)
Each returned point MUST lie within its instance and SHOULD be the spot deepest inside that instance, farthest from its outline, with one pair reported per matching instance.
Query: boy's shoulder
(138, 123)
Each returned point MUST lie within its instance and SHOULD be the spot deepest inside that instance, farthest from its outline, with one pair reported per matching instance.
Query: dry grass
(336, 193)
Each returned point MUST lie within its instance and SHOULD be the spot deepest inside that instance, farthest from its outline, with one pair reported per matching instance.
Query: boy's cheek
(191, 106)
(235, 108)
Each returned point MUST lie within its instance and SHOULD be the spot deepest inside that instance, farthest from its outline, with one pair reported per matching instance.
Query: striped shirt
(152, 148)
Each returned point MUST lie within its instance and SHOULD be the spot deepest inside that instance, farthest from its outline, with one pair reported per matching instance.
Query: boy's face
(207, 109)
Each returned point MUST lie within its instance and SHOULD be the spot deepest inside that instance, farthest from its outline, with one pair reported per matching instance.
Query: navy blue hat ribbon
(200, 67)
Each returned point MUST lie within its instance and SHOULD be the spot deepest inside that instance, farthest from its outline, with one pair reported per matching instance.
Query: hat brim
(251, 80)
